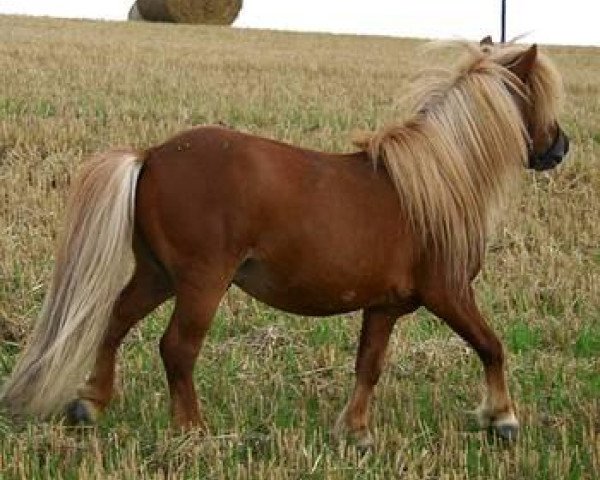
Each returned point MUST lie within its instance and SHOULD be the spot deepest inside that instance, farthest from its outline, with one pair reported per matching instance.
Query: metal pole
(503, 32)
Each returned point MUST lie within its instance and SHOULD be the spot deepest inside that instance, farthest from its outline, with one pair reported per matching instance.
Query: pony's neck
(452, 164)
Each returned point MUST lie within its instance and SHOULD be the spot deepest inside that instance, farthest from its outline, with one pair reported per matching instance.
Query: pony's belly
(304, 294)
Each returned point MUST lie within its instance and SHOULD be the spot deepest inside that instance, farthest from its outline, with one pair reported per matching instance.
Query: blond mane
(457, 155)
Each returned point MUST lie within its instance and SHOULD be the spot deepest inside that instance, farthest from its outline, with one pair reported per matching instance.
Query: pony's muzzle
(554, 155)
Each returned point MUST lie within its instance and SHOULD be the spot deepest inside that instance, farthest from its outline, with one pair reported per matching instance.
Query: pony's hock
(308, 232)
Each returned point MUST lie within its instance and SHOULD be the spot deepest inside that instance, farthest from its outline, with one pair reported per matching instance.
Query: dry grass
(272, 384)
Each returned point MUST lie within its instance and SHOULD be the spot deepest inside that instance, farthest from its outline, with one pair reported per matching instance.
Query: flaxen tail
(93, 264)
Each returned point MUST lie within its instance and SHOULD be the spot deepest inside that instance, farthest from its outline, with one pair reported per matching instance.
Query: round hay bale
(210, 12)
(206, 12)
(154, 10)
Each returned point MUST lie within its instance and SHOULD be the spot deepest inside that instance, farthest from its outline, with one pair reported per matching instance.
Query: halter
(553, 155)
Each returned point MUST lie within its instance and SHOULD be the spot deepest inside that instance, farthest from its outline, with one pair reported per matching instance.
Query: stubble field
(272, 384)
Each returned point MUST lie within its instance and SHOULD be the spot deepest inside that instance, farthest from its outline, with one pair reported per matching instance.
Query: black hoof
(78, 414)
(506, 432)
(364, 448)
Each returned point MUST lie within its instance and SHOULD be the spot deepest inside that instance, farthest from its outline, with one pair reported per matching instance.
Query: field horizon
(272, 384)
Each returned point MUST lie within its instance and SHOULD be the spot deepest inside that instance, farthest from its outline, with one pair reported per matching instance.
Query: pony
(400, 223)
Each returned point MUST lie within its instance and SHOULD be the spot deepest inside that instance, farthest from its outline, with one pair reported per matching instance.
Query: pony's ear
(524, 63)
(487, 40)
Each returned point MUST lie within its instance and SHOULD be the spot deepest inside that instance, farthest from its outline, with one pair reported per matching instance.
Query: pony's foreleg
(374, 337)
(147, 289)
(460, 312)
(197, 299)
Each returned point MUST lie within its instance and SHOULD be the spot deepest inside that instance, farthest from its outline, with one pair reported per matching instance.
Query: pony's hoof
(506, 432)
(81, 412)
(361, 439)
(506, 427)
(364, 443)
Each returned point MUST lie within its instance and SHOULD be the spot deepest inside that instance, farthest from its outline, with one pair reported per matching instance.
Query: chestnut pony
(397, 225)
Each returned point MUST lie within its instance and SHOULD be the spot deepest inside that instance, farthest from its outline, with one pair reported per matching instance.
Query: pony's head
(539, 93)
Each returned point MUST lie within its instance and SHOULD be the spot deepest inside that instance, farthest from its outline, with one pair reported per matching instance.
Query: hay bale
(154, 10)
(210, 12)
(206, 12)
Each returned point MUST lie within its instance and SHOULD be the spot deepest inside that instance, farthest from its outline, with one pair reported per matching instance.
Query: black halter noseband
(553, 155)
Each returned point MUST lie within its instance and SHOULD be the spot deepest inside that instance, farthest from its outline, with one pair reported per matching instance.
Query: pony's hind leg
(198, 293)
(147, 289)
(460, 312)
(377, 327)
